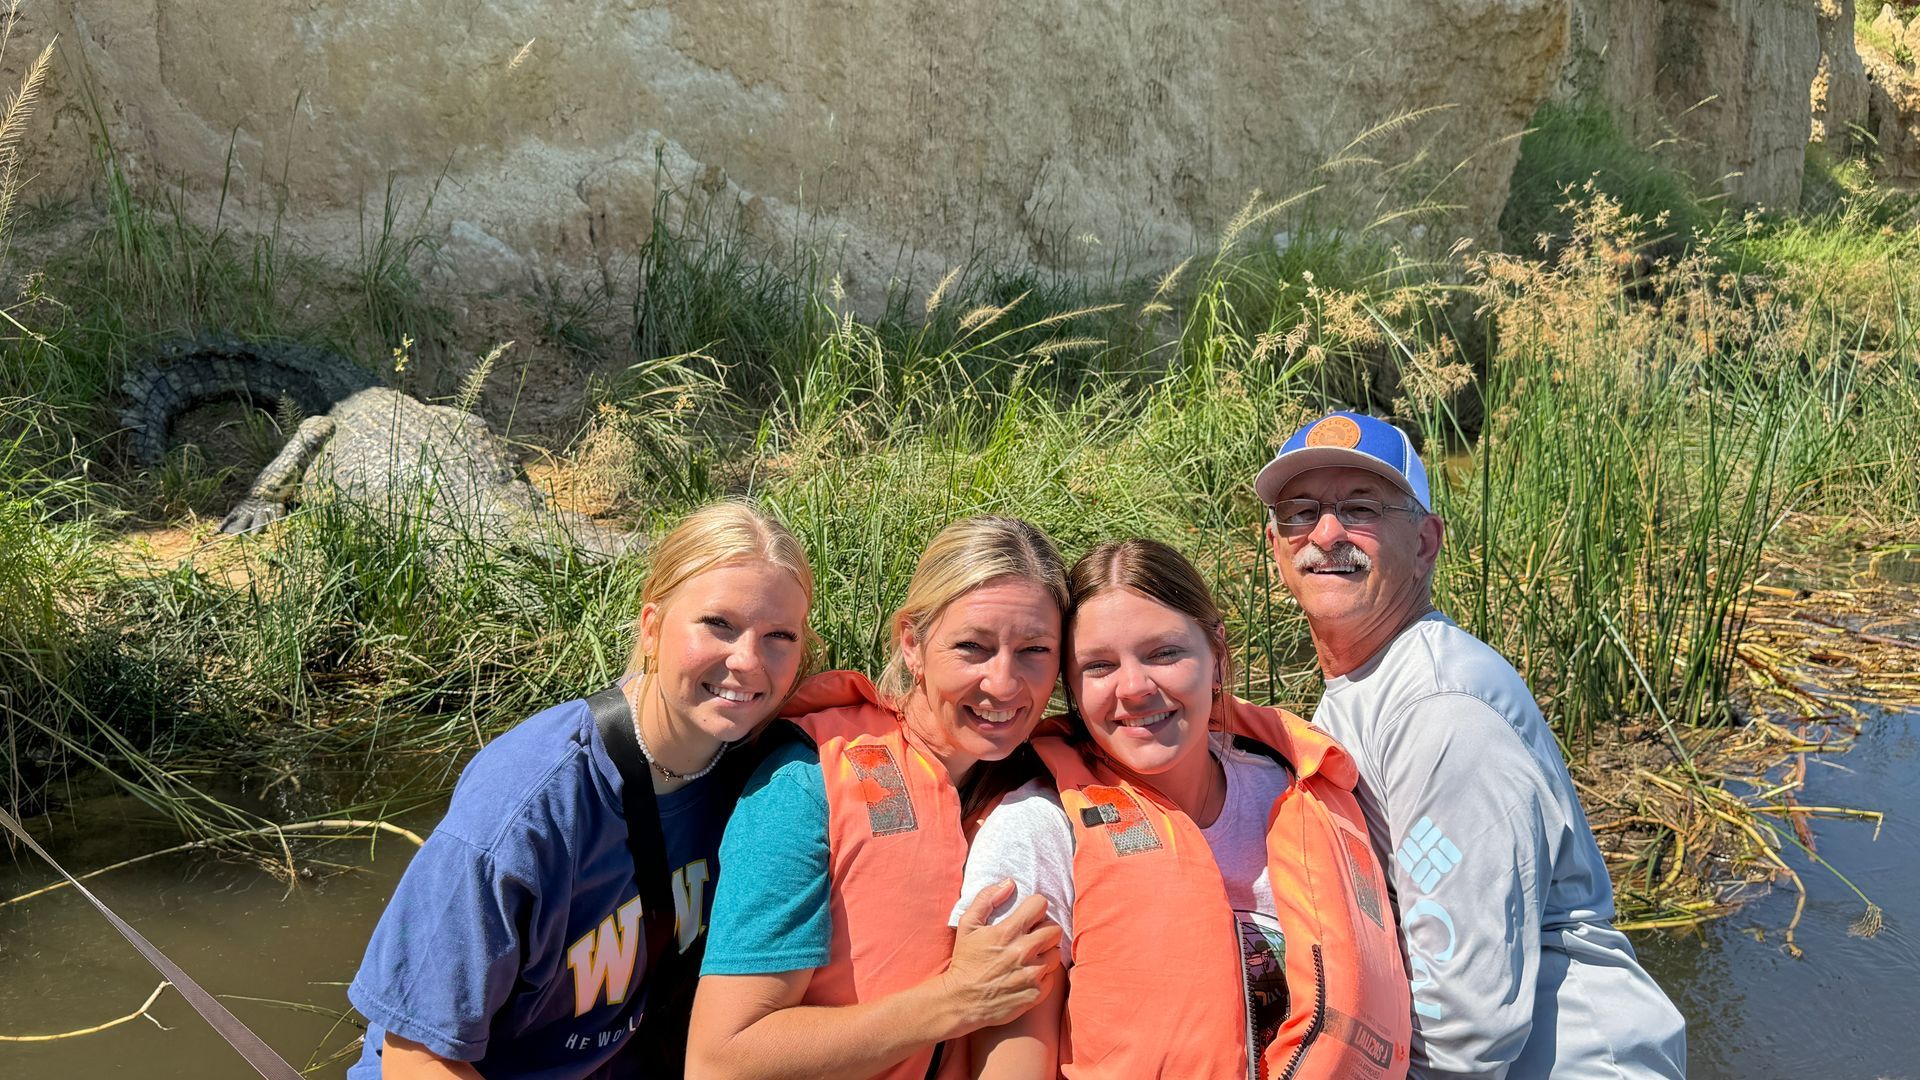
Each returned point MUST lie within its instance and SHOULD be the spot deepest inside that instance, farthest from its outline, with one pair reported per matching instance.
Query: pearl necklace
(641, 737)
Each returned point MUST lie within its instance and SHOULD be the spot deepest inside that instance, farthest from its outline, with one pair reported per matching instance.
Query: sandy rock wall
(1897, 32)
(1893, 101)
(1725, 83)
(899, 138)
(1840, 90)
(1893, 116)
(900, 135)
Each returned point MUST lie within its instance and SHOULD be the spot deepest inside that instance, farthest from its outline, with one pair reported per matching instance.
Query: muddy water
(236, 928)
(1900, 565)
(1847, 1008)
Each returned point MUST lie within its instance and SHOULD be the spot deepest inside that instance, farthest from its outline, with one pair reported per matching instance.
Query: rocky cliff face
(1893, 96)
(899, 137)
(1840, 89)
(1724, 83)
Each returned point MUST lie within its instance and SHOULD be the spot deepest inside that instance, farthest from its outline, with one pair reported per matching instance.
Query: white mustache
(1343, 556)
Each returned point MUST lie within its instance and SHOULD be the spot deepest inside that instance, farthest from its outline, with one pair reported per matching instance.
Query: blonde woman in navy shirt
(522, 941)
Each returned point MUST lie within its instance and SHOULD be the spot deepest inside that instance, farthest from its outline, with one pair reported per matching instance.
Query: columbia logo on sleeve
(1427, 855)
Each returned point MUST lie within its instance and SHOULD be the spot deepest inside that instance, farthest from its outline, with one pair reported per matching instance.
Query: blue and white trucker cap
(1353, 440)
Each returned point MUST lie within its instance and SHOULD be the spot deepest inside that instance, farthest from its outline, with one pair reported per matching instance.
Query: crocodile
(361, 441)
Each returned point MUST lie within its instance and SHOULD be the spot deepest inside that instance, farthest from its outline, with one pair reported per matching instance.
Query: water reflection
(1846, 1008)
(278, 955)
(1900, 565)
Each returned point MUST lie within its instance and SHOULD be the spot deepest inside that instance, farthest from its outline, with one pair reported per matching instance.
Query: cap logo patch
(1334, 431)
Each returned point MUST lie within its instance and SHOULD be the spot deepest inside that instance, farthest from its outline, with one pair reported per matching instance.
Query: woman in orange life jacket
(830, 953)
(1222, 911)
(518, 943)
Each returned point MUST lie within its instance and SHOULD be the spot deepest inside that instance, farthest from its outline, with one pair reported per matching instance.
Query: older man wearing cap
(1505, 906)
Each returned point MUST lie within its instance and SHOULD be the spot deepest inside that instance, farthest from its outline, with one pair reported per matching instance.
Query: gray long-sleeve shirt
(1505, 905)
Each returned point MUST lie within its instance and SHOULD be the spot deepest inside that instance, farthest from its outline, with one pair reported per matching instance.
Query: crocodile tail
(186, 372)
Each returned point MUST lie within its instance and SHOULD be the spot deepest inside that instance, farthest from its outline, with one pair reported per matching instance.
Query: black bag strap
(660, 1038)
(1250, 745)
(648, 845)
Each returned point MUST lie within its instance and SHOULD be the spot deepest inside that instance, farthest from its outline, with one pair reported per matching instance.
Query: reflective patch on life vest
(1375, 1047)
(1359, 858)
(1125, 823)
(883, 788)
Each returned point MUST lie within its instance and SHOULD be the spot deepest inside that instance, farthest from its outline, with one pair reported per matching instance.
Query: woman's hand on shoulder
(1000, 969)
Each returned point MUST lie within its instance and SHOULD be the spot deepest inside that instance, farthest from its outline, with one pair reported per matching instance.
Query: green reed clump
(81, 694)
(49, 564)
(703, 289)
(885, 435)
(1850, 451)
(414, 619)
(1604, 524)
(1580, 147)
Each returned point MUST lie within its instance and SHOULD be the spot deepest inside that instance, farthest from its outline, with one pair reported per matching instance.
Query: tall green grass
(148, 270)
(1578, 147)
(82, 697)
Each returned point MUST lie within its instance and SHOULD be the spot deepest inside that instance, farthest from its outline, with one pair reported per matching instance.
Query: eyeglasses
(1355, 513)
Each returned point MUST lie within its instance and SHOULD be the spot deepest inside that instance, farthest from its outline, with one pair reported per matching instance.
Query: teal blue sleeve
(770, 905)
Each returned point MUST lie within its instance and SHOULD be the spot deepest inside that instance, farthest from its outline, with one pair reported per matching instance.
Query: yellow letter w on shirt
(603, 959)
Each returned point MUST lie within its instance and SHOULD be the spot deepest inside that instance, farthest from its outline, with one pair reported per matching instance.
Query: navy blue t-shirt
(514, 940)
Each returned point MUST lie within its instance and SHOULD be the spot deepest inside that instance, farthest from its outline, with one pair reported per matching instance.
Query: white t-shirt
(1028, 838)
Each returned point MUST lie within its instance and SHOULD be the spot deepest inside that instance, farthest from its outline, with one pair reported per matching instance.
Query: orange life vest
(896, 854)
(1158, 984)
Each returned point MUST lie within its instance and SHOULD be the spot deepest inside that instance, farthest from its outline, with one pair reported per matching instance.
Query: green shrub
(1572, 152)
